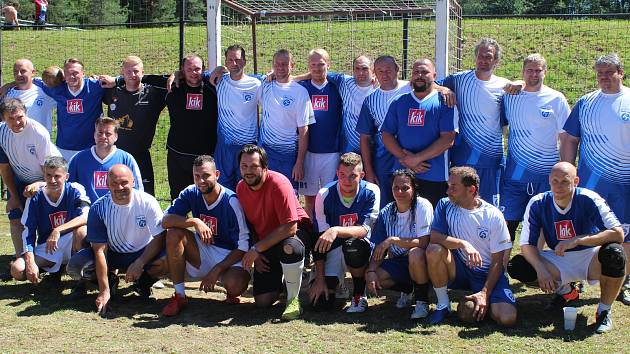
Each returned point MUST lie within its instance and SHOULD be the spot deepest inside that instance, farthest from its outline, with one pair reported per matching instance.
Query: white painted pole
(214, 33)
(441, 37)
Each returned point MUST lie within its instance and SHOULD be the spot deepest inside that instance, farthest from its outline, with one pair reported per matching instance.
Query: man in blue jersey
(584, 238)
(238, 97)
(377, 161)
(600, 125)
(214, 251)
(51, 217)
(89, 167)
(469, 237)
(125, 231)
(536, 116)
(322, 155)
(479, 143)
(345, 211)
(24, 145)
(79, 103)
(419, 129)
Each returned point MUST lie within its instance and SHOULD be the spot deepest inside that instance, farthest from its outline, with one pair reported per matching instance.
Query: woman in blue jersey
(401, 235)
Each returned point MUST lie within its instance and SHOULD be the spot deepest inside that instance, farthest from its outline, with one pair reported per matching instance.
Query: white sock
(180, 289)
(442, 297)
(293, 278)
(601, 307)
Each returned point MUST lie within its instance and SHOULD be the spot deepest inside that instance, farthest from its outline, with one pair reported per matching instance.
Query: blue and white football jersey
(238, 110)
(535, 119)
(285, 108)
(39, 105)
(125, 228)
(324, 134)
(480, 139)
(587, 213)
(352, 96)
(41, 215)
(90, 171)
(27, 150)
(483, 227)
(402, 225)
(602, 121)
(372, 116)
(331, 210)
(224, 217)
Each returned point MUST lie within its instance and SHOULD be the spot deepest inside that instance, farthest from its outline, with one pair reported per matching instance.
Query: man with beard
(281, 230)
(419, 129)
(214, 251)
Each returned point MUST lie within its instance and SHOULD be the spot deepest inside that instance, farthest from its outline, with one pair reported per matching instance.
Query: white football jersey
(39, 106)
(238, 110)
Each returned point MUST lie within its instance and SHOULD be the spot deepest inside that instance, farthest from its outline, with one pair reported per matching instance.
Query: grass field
(33, 321)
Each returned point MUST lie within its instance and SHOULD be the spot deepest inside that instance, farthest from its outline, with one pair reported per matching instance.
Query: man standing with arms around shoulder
(281, 228)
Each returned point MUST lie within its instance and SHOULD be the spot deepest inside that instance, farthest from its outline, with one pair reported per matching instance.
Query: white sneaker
(358, 304)
(421, 310)
(158, 285)
(403, 301)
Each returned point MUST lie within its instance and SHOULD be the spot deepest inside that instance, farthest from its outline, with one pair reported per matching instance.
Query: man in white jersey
(377, 161)
(536, 116)
(468, 240)
(238, 96)
(24, 144)
(584, 238)
(600, 125)
(39, 106)
(479, 143)
(125, 231)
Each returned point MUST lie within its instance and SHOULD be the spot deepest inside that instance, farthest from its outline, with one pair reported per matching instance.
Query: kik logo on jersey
(194, 101)
(564, 229)
(100, 179)
(210, 221)
(348, 219)
(416, 117)
(320, 102)
(58, 218)
(74, 106)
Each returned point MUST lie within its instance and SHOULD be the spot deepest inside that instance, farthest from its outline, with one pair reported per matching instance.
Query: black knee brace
(81, 265)
(356, 252)
(613, 260)
(519, 268)
(291, 250)
(512, 226)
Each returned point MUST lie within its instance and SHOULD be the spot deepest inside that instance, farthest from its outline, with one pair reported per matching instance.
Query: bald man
(584, 237)
(39, 105)
(125, 232)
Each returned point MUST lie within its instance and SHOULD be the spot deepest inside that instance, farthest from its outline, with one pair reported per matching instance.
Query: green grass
(47, 323)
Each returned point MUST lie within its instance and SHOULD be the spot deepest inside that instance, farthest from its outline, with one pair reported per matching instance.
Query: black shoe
(143, 286)
(79, 291)
(560, 301)
(113, 283)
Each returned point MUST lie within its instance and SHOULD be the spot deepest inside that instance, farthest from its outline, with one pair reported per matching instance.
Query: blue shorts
(618, 198)
(515, 195)
(398, 269)
(489, 180)
(226, 159)
(16, 214)
(468, 279)
(282, 163)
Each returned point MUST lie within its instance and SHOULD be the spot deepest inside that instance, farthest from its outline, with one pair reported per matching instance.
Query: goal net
(404, 29)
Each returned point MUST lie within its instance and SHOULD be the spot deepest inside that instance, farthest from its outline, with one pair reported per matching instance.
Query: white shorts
(573, 266)
(60, 256)
(209, 256)
(335, 264)
(68, 154)
(319, 170)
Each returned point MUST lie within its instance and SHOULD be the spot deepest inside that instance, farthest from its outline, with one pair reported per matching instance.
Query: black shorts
(432, 191)
(179, 168)
(143, 158)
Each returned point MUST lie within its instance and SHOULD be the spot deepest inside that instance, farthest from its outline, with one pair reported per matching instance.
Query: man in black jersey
(136, 107)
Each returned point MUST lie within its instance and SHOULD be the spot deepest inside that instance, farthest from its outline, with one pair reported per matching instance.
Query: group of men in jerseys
(345, 143)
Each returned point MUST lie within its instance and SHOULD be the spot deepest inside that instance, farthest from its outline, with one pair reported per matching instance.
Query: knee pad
(519, 268)
(613, 260)
(291, 250)
(356, 252)
(308, 238)
(81, 265)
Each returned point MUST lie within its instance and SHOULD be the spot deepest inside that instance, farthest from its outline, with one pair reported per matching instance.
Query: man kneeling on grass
(125, 232)
(221, 238)
(51, 218)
